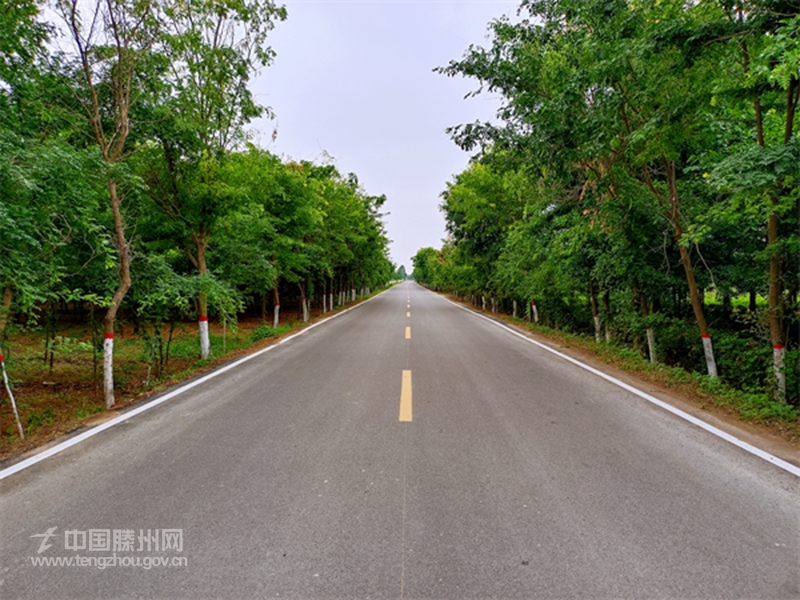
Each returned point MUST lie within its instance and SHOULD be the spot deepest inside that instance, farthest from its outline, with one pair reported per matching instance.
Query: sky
(353, 83)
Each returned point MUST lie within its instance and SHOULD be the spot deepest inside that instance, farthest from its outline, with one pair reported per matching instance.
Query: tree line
(641, 181)
(127, 180)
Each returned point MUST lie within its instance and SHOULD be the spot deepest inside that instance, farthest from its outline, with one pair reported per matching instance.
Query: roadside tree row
(641, 183)
(127, 181)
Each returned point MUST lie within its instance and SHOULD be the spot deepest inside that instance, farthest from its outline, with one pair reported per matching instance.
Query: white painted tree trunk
(354, 295)
(11, 395)
(305, 310)
(276, 316)
(324, 303)
(108, 369)
(651, 344)
(597, 328)
(205, 342)
(331, 299)
(778, 356)
(515, 309)
(708, 350)
(535, 312)
(483, 302)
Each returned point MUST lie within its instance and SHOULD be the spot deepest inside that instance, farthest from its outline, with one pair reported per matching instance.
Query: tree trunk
(276, 303)
(697, 306)
(686, 261)
(535, 312)
(169, 344)
(514, 308)
(607, 309)
(201, 242)
(11, 396)
(651, 342)
(775, 308)
(5, 312)
(303, 301)
(123, 251)
(595, 311)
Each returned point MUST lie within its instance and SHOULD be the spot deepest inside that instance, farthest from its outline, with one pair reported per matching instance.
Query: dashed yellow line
(405, 398)
(408, 333)
(408, 313)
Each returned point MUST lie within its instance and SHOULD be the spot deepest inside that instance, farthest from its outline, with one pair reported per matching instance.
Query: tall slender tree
(111, 40)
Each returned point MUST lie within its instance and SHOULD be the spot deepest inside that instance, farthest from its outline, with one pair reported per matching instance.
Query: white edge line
(778, 462)
(28, 462)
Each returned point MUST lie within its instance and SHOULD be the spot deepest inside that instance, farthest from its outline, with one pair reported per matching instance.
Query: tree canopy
(641, 176)
(125, 164)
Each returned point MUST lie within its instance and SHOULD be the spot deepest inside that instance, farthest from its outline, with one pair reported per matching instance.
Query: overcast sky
(354, 80)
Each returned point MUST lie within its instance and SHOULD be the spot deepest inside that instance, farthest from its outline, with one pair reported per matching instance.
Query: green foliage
(640, 150)
(265, 331)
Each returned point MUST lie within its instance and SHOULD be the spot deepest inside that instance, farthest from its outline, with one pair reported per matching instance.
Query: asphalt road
(507, 473)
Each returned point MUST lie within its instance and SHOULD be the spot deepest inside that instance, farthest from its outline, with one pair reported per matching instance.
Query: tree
(597, 87)
(111, 40)
(758, 89)
(212, 49)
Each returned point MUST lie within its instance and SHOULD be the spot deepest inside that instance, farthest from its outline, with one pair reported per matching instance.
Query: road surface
(405, 449)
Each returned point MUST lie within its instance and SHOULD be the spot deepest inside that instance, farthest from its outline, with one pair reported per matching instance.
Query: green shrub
(265, 331)
(743, 363)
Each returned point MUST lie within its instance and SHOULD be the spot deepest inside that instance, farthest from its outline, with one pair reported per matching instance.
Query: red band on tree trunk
(778, 346)
(203, 319)
(706, 336)
(1, 358)
(109, 336)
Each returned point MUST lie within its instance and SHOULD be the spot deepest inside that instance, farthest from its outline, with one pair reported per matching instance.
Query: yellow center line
(408, 333)
(408, 314)
(405, 398)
